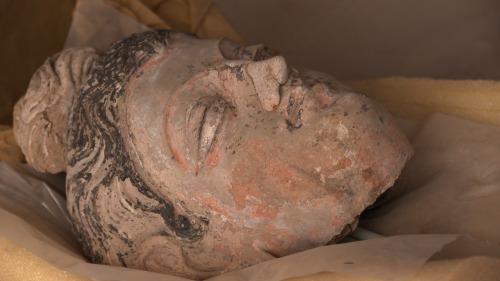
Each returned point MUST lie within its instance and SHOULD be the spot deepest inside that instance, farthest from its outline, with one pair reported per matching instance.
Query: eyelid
(194, 120)
(204, 120)
(212, 120)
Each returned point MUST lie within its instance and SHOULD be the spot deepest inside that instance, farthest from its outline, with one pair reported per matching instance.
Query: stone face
(195, 157)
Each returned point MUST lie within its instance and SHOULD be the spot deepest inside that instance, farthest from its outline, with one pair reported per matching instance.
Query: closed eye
(213, 117)
(204, 122)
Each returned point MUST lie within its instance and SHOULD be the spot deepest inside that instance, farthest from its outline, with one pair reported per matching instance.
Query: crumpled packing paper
(451, 185)
(34, 216)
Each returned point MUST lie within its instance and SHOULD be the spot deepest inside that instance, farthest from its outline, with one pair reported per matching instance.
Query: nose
(267, 77)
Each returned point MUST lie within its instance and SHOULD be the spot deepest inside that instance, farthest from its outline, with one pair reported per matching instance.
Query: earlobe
(267, 76)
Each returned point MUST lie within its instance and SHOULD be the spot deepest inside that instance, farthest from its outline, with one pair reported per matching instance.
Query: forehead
(151, 90)
(175, 64)
(155, 81)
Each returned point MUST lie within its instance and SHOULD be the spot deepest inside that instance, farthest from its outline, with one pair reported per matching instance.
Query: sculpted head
(196, 157)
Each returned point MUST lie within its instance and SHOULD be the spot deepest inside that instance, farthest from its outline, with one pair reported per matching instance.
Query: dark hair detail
(95, 141)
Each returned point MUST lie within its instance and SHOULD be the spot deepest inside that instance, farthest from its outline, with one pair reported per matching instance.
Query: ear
(41, 115)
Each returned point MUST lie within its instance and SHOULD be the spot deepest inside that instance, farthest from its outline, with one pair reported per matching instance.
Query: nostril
(294, 108)
(322, 95)
(295, 122)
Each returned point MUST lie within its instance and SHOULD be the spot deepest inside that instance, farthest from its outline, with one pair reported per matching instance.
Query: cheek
(247, 173)
(261, 175)
(214, 157)
(278, 201)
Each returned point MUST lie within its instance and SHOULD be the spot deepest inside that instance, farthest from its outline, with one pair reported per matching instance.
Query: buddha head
(195, 157)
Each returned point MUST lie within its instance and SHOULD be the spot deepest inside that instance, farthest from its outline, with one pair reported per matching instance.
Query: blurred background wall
(350, 39)
(359, 39)
(30, 31)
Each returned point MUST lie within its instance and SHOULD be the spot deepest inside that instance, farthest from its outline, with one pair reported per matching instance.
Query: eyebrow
(170, 135)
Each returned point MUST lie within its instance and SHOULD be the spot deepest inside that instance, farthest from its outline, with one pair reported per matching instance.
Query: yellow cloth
(201, 17)
(19, 264)
(415, 98)
(9, 151)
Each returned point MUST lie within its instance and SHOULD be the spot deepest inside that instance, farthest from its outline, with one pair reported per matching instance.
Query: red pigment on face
(240, 191)
(213, 204)
(338, 221)
(318, 234)
(172, 139)
(284, 174)
(274, 243)
(229, 80)
(246, 173)
(278, 170)
(146, 68)
(324, 101)
(257, 148)
(262, 210)
(213, 157)
(343, 163)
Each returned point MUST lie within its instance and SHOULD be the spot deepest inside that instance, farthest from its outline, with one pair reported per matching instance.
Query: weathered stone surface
(41, 115)
(195, 157)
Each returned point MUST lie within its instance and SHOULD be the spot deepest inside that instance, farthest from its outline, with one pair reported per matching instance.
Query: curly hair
(101, 176)
(41, 115)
